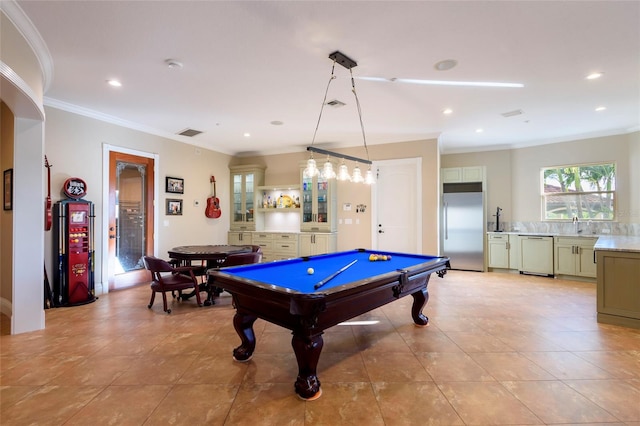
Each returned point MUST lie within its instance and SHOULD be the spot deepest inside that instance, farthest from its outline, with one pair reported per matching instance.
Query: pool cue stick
(332, 276)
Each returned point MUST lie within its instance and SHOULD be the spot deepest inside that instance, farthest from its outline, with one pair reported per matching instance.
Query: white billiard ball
(310, 271)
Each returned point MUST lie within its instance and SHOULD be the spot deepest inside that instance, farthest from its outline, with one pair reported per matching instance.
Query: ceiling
(246, 65)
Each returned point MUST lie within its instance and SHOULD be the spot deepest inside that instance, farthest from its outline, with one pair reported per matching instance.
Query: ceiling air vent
(512, 113)
(190, 132)
(336, 103)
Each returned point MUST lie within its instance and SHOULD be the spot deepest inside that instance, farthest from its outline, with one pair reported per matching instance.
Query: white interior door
(396, 197)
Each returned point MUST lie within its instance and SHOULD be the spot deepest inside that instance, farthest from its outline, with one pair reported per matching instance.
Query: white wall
(74, 148)
(527, 162)
(498, 175)
(513, 175)
(21, 79)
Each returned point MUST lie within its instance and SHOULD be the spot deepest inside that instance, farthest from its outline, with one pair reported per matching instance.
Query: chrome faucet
(576, 225)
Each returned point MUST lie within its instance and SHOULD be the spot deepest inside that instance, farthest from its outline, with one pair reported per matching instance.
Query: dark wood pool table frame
(307, 315)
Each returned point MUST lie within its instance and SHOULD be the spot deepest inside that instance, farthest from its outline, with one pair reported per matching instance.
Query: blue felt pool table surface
(291, 275)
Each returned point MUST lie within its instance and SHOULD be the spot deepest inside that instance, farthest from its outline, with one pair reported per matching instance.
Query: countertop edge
(605, 242)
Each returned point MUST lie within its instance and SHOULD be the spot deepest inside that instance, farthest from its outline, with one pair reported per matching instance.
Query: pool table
(284, 293)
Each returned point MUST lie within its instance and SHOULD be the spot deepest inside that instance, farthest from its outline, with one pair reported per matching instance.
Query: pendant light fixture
(357, 175)
(327, 171)
(343, 172)
(311, 170)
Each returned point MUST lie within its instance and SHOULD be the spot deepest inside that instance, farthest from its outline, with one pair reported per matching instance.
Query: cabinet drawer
(499, 237)
(286, 237)
(283, 247)
(576, 241)
(262, 237)
(264, 245)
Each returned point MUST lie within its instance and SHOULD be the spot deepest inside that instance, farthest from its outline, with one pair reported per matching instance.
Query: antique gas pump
(73, 240)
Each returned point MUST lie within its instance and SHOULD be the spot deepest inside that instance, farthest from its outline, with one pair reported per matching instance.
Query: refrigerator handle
(446, 221)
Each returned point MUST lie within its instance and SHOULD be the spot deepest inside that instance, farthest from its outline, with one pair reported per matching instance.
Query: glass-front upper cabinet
(317, 204)
(244, 181)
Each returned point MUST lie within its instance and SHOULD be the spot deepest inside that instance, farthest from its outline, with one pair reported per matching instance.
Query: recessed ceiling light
(277, 123)
(445, 65)
(601, 108)
(247, 135)
(594, 75)
(479, 130)
(447, 111)
(114, 83)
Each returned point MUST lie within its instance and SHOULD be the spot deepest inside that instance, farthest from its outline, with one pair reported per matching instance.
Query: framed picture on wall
(7, 195)
(174, 185)
(174, 207)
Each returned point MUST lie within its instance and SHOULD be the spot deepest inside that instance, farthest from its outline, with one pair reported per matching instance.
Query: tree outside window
(586, 192)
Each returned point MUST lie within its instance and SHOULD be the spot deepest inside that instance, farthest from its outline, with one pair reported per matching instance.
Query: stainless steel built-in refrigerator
(462, 234)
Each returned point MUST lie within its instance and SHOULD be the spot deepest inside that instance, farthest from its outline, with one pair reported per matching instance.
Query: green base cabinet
(618, 287)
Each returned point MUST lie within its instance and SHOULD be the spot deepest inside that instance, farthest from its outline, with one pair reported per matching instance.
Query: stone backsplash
(583, 227)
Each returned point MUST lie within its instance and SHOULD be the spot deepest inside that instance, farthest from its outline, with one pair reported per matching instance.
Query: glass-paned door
(244, 182)
(130, 216)
(323, 197)
(318, 203)
(249, 185)
(237, 197)
(307, 199)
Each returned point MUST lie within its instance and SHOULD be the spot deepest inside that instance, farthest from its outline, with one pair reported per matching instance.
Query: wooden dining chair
(236, 259)
(165, 277)
(254, 256)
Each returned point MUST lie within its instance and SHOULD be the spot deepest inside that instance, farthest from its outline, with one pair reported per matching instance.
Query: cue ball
(310, 271)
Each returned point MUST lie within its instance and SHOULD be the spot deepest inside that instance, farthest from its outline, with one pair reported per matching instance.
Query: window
(583, 191)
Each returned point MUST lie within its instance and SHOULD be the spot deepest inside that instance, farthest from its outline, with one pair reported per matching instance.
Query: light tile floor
(500, 349)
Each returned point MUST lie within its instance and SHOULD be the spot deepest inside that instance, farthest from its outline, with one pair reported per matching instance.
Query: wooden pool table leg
(307, 350)
(420, 299)
(243, 323)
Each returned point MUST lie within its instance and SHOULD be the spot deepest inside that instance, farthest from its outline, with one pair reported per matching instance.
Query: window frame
(578, 194)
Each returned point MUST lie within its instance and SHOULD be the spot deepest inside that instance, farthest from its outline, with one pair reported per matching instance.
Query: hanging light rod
(338, 155)
(343, 59)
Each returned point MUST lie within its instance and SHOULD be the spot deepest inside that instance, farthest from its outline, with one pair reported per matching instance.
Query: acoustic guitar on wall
(47, 204)
(213, 203)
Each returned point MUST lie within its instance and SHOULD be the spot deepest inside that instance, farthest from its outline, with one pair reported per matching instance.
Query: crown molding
(86, 112)
(19, 95)
(24, 25)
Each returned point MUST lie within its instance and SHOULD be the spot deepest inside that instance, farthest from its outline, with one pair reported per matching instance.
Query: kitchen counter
(549, 234)
(604, 242)
(618, 243)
